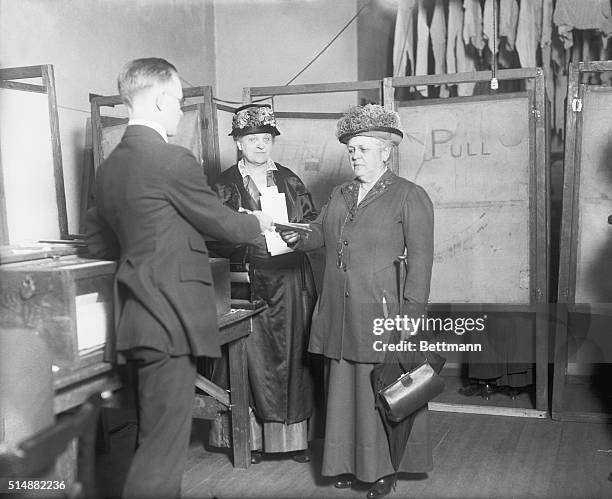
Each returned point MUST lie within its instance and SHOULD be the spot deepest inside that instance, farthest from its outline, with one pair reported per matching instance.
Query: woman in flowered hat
(278, 362)
(364, 226)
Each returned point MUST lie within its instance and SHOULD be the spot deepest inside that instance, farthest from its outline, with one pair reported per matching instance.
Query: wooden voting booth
(482, 159)
(583, 343)
(491, 209)
(48, 292)
(196, 131)
(31, 170)
(47, 288)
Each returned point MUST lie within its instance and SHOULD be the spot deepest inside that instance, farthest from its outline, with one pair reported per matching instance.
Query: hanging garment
(422, 53)
(457, 60)
(587, 55)
(437, 32)
(558, 56)
(403, 40)
(472, 24)
(582, 14)
(546, 48)
(606, 55)
(454, 34)
(528, 32)
(576, 49)
(508, 21)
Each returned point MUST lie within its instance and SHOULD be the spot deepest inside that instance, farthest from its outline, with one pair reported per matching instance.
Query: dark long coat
(395, 215)
(154, 209)
(362, 242)
(279, 366)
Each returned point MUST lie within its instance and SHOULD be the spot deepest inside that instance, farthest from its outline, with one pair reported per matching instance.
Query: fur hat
(370, 120)
(253, 118)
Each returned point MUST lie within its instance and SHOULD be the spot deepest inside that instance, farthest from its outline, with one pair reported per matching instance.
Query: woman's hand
(289, 236)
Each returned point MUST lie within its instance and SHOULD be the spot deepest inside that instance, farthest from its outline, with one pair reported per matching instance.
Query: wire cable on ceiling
(312, 61)
(297, 75)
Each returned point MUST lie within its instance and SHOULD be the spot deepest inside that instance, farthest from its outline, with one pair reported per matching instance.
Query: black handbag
(411, 391)
(415, 388)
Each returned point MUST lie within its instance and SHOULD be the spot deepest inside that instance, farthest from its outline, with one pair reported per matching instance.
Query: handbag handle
(400, 298)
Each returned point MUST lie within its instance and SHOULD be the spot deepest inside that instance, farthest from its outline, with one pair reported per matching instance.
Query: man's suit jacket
(154, 209)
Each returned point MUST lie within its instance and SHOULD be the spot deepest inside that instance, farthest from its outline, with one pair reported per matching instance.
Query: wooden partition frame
(210, 143)
(9, 79)
(539, 208)
(569, 240)
(248, 93)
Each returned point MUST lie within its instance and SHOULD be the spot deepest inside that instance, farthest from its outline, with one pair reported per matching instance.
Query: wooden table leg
(240, 403)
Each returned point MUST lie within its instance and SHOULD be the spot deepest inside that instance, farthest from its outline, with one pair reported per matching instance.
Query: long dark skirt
(280, 368)
(355, 438)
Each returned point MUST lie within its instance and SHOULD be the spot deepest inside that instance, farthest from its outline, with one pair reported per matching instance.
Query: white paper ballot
(92, 321)
(273, 203)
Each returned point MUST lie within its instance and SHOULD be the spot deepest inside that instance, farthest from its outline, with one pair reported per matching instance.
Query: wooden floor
(475, 455)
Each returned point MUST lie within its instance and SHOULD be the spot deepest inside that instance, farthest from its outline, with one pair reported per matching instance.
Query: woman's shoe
(381, 488)
(256, 457)
(301, 457)
(344, 482)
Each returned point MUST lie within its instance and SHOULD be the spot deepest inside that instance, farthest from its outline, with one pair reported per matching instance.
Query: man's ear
(159, 101)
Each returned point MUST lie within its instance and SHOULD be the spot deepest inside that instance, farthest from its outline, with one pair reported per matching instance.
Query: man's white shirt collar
(151, 124)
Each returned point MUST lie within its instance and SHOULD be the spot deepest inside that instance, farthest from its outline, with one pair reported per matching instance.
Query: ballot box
(66, 298)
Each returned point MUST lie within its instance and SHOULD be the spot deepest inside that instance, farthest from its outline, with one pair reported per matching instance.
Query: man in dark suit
(154, 208)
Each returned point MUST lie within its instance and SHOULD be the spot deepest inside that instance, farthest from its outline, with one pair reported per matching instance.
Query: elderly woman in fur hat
(278, 362)
(364, 226)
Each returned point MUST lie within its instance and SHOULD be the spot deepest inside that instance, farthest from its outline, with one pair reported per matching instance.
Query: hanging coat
(546, 48)
(403, 39)
(457, 59)
(437, 31)
(508, 21)
(528, 32)
(472, 24)
(580, 14)
(422, 53)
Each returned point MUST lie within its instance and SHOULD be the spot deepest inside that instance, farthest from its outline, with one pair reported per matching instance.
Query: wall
(226, 43)
(88, 42)
(375, 30)
(267, 42)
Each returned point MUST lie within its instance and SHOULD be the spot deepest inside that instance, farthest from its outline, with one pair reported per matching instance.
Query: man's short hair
(140, 74)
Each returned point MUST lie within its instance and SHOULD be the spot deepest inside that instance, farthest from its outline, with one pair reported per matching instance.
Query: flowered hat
(254, 118)
(370, 120)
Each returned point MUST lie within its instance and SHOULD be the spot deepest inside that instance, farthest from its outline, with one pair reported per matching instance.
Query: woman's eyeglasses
(362, 150)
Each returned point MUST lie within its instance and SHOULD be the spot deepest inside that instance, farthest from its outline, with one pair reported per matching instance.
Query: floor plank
(475, 456)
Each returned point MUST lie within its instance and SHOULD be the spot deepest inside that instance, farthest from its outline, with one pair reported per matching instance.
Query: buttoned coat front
(362, 243)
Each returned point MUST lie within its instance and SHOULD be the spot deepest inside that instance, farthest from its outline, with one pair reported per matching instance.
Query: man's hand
(289, 236)
(265, 221)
